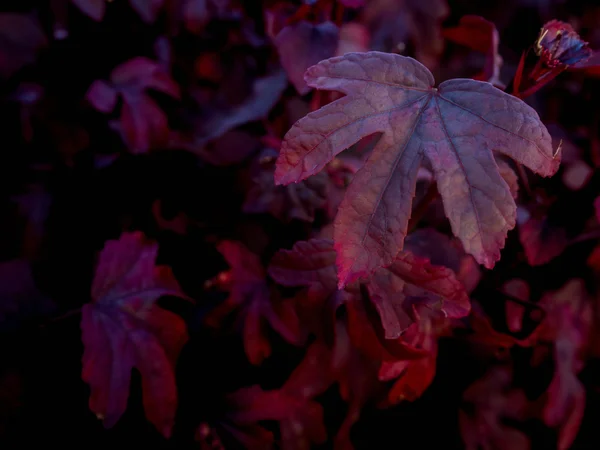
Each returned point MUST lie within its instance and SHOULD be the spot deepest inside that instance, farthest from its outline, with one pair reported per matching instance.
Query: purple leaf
(455, 127)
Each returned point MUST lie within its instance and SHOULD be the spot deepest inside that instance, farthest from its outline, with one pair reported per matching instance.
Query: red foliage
(236, 224)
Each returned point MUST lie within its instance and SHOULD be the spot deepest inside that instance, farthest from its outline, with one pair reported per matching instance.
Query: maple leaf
(255, 303)
(123, 328)
(455, 127)
(143, 124)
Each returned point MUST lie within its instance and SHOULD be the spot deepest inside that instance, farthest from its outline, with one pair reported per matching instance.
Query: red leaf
(253, 300)
(21, 37)
(123, 328)
(455, 127)
(412, 284)
(414, 376)
(302, 45)
(367, 334)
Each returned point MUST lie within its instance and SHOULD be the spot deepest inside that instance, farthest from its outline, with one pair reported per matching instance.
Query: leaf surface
(456, 127)
(123, 328)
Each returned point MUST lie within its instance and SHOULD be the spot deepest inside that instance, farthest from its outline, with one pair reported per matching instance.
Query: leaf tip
(313, 72)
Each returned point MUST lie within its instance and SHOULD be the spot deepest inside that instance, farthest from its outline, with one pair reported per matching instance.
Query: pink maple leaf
(455, 127)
